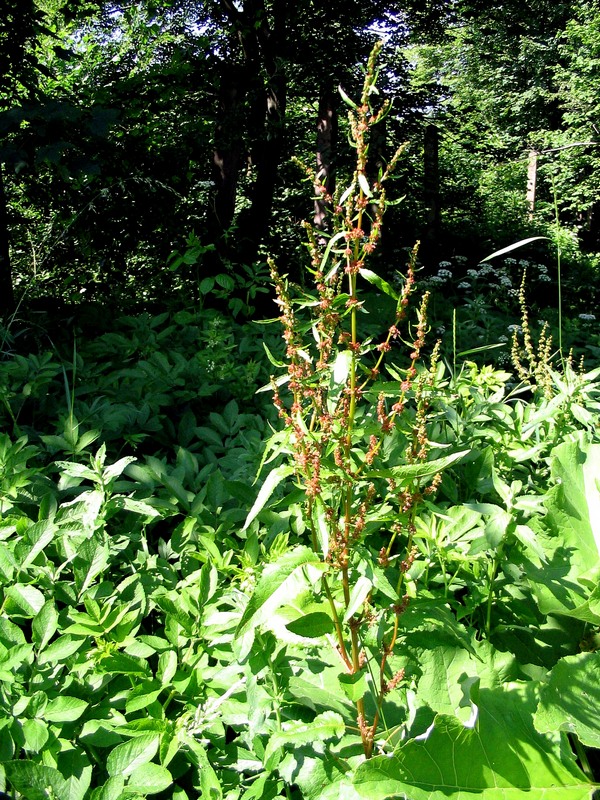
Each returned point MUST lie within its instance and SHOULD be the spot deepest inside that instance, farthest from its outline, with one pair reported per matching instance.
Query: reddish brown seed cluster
(337, 429)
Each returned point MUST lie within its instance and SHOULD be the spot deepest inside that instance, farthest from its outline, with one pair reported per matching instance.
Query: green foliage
(150, 641)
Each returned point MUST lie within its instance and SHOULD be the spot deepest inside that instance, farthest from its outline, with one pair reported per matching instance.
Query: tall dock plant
(357, 444)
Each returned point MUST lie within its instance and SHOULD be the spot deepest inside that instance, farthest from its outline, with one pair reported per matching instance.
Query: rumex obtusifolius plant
(358, 444)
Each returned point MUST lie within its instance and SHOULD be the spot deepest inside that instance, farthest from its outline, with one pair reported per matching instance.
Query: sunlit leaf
(571, 699)
(500, 757)
(512, 247)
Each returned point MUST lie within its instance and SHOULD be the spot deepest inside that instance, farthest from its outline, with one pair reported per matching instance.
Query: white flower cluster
(587, 317)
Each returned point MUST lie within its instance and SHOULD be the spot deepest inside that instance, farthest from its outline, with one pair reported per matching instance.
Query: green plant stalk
(366, 733)
(582, 756)
(490, 597)
(312, 422)
(336, 617)
(558, 267)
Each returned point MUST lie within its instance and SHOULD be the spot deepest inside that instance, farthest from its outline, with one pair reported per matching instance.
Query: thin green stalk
(582, 757)
(490, 598)
(453, 342)
(558, 267)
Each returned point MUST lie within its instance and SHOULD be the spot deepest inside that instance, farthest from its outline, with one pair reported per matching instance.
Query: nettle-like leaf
(499, 756)
(323, 728)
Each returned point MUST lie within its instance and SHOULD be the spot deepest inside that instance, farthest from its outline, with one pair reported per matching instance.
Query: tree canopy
(141, 135)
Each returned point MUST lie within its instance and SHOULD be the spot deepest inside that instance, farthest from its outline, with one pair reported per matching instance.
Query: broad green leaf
(142, 695)
(91, 560)
(38, 536)
(113, 471)
(139, 507)
(36, 735)
(64, 709)
(320, 691)
(311, 626)
(571, 699)
(61, 649)
(354, 686)
(511, 247)
(28, 599)
(273, 479)
(36, 782)
(209, 782)
(75, 470)
(8, 564)
(499, 757)
(127, 757)
(320, 777)
(271, 588)
(323, 727)
(167, 666)
(44, 624)
(149, 779)
(449, 673)
(576, 466)
(570, 535)
(111, 790)
(99, 733)
(92, 505)
(120, 663)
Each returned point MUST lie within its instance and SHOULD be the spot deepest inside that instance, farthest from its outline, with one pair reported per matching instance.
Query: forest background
(146, 146)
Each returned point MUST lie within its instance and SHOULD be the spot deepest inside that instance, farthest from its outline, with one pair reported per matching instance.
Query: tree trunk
(7, 297)
(267, 124)
(227, 155)
(431, 194)
(326, 139)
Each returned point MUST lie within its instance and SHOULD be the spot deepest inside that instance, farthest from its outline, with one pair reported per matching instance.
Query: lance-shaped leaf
(512, 247)
(271, 589)
(382, 285)
(425, 469)
(273, 480)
